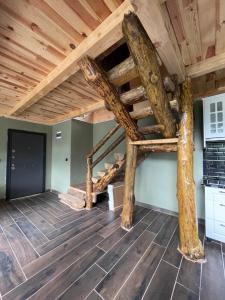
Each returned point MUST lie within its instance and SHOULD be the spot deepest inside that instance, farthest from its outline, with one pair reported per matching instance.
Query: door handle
(223, 205)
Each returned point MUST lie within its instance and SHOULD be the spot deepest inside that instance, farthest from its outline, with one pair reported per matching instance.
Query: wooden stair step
(95, 179)
(76, 192)
(119, 156)
(108, 166)
(102, 173)
(72, 201)
(155, 142)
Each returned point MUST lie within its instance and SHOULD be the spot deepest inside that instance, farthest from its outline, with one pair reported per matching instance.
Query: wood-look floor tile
(54, 288)
(172, 255)
(74, 224)
(138, 282)
(10, 272)
(189, 275)
(66, 236)
(213, 281)
(111, 284)
(5, 218)
(111, 257)
(166, 232)
(43, 277)
(110, 228)
(181, 293)
(82, 287)
(93, 296)
(39, 222)
(20, 245)
(150, 217)
(158, 223)
(59, 251)
(31, 232)
(111, 240)
(162, 283)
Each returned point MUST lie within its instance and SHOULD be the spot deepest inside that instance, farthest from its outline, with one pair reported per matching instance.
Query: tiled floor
(48, 251)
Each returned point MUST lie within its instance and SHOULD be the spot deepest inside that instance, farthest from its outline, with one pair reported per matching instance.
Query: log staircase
(163, 94)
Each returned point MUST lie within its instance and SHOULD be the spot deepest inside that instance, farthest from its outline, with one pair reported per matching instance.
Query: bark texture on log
(151, 129)
(141, 113)
(158, 148)
(98, 80)
(189, 244)
(89, 184)
(129, 199)
(144, 55)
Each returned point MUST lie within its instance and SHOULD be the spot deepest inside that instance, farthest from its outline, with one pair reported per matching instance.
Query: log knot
(153, 77)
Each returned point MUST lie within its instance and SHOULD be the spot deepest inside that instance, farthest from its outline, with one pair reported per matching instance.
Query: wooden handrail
(109, 149)
(103, 140)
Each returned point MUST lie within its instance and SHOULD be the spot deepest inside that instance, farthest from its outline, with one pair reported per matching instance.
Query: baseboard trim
(164, 210)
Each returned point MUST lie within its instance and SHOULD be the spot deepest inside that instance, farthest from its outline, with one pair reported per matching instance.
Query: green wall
(61, 157)
(156, 176)
(6, 124)
(81, 145)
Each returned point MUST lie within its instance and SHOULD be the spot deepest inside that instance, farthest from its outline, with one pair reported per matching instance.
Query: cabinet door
(214, 113)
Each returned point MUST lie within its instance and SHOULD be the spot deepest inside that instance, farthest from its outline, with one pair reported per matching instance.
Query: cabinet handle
(222, 225)
(222, 205)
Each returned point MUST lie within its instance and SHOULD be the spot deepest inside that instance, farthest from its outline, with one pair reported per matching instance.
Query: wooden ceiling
(41, 42)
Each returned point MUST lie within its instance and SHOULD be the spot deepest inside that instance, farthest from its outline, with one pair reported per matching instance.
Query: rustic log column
(128, 201)
(89, 184)
(97, 78)
(189, 244)
(144, 55)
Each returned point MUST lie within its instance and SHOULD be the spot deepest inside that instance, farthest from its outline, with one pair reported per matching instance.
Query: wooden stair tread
(108, 166)
(155, 142)
(102, 173)
(119, 156)
(72, 201)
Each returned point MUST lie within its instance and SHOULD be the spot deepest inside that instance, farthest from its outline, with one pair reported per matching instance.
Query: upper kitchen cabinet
(214, 114)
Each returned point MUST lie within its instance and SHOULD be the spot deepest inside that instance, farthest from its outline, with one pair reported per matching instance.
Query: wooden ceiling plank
(107, 34)
(59, 102)
(33, 21)
(220, 26)
(67, 13)
(78, 90)
(28, 42)
(112, 5)
(20, 68)
(24, 60)
(29, 119)
(78, 112)
(83, 14)
(99, 7)
(176, 20)
(155, 19)
(58, 20)
(17, 75)
(189, 14)
(207, 23)
(26, 53)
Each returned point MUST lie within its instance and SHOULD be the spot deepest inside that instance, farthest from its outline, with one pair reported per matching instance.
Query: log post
(189, 244)
(89, 184)
(128, 200)
(98, 80)
(144, 55)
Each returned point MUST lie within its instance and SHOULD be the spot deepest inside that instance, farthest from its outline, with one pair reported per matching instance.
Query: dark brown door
(25, 163)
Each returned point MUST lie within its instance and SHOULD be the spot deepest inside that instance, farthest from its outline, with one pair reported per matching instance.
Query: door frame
(8, 167)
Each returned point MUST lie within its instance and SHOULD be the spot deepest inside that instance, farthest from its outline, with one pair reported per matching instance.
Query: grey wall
(81, 145)
(156, 176)
(6, 124)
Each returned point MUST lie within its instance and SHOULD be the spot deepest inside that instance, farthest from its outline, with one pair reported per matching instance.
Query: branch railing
(92, 163)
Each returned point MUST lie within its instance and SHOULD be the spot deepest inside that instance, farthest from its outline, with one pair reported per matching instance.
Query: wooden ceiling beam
(206, 66)
(104, 36)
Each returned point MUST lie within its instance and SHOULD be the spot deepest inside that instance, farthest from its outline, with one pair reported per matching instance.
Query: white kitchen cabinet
(215, 213)
(214, 117)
